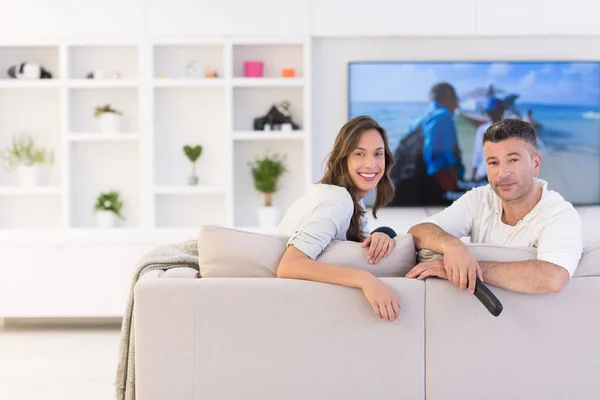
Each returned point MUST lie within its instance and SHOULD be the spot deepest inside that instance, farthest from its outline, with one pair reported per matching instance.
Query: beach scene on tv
(561, 100)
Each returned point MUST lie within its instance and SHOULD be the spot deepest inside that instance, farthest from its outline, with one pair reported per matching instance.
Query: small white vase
(29, 176)
(110, 122)
(268, 217)
(105, 219)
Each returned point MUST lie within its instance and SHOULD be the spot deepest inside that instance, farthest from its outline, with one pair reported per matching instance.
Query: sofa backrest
(541, 346)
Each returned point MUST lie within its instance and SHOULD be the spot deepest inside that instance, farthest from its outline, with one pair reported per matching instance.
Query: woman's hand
(380, 245)
(382, 298)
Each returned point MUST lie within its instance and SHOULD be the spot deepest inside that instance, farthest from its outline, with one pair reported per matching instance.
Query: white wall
(330, 87)
(117, 19)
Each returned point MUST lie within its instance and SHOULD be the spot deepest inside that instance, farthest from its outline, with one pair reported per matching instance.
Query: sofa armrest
(164, 334)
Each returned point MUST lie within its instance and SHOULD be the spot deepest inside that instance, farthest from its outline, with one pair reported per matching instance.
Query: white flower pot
(268, 217)
(29, 176)
(106, 219)
(109, 122)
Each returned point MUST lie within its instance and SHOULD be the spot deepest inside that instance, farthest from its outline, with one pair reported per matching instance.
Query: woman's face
(366, 163)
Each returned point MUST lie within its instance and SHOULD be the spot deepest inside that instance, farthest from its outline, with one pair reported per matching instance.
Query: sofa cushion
(589, 265)
(349, 254)
(228, 252)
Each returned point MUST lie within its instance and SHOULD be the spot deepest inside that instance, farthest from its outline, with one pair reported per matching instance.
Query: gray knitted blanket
(161, 258)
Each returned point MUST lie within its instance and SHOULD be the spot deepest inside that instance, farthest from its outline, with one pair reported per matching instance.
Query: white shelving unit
(167, 103)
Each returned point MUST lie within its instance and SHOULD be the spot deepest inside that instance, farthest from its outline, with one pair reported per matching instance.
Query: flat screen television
(560, 99)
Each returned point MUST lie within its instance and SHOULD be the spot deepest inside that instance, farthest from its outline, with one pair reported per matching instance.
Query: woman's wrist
(387, 230)
(365, 278)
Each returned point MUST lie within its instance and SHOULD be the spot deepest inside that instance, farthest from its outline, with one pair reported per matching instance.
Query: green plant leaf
(266, 173)
(109, 201)
(106, 109)
(193, 153)
(23, 151)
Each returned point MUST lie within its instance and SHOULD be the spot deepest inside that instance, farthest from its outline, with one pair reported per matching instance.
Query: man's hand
(461, 266)
(428, 268)
(380, 245)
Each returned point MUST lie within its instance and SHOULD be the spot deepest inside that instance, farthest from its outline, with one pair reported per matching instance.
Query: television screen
(438, 151)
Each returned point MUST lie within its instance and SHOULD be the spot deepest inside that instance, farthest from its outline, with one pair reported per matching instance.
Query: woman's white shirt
(320, 216)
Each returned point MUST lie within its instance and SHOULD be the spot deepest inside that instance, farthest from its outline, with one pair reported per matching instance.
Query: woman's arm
(296, 265)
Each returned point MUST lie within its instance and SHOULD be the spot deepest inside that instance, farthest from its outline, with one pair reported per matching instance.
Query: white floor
(58, 363)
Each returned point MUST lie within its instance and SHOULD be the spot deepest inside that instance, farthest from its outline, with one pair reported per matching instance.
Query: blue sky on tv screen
(559, 83)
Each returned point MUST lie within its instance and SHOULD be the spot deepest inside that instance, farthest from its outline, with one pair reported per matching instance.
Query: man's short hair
(511, 128)
(440, 90)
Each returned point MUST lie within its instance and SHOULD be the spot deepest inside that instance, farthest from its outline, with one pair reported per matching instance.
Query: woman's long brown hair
(337, 172)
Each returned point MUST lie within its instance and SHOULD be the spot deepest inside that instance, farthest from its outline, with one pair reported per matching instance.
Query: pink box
(253, 69)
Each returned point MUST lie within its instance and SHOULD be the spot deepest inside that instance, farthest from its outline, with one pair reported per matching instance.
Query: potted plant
(25, 156)
(266, 173)
(193, 153)
(108, 208)
(109, 118)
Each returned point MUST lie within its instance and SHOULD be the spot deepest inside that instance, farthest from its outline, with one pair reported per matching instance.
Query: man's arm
(442, 232)
(429, 236)
(532, 276)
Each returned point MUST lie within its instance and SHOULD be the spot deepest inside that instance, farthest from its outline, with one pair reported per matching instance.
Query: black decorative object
(277, 116)
(26, 70)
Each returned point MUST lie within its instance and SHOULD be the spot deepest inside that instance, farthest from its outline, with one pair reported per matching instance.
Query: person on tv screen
(516, 208)
(333, 209)
(495, 111)
(441, 152)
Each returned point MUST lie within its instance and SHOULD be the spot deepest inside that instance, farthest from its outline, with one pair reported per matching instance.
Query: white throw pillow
(226, 252)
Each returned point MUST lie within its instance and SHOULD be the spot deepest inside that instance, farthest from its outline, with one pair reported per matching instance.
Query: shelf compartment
(35, 112)
(120, 58)
(290, 187)
(46, 56)
(102, 167)
(83, 103)
(171, 61)
(190, 116)
(250, 103)
(275, 58)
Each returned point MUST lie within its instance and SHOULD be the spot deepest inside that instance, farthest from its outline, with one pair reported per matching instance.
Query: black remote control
(488, 299)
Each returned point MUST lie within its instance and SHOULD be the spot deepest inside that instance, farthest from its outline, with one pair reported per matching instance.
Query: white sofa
(268, 338)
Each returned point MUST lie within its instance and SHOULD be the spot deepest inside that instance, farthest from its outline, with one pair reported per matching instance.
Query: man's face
(512, 166)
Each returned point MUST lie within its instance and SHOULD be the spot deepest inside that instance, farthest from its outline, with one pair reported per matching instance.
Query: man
(514, 209)
(495, 111)
(441, 152)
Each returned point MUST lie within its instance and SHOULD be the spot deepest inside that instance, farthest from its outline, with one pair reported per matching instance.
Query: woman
(333, 210)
